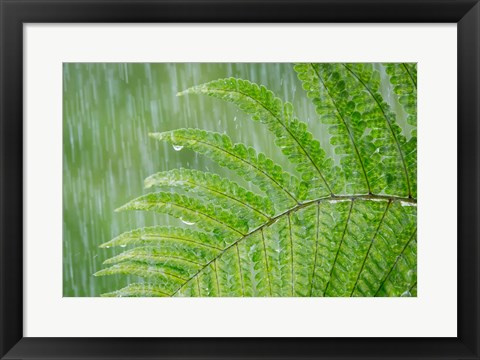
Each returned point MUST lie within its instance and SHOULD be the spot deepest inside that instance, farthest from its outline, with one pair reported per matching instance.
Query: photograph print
(239, 180)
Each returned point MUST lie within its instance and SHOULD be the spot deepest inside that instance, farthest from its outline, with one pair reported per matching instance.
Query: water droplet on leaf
(187, 222)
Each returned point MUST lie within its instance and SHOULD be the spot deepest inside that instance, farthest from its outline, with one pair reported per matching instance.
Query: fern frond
(323, 248)
(394, 142)
(282, 188)
(365, 132)
(191, 211)
(167, 278)
(336, 109)
(403, 77)
(254, 266)
(291, 135)
(215, 189)
(333, 218)
(149, 258)
(402, 278)
(153, 255)
(396, 230)
(163, 235)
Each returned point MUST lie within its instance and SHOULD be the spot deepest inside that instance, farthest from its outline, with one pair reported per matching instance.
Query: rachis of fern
(335, 227)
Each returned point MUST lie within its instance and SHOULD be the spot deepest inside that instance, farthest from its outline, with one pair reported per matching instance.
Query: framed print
(239, 180)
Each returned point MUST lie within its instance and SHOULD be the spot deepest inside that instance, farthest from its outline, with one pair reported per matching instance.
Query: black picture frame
(14, 13)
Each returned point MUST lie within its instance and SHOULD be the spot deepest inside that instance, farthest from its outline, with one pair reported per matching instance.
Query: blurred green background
(108, 111)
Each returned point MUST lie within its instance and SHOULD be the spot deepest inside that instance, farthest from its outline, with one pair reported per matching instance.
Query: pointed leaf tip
(122, 208)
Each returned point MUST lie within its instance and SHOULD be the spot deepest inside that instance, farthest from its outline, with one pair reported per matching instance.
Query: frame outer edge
(468, 78)
(11, 178)
(12, 17)
(3, 325)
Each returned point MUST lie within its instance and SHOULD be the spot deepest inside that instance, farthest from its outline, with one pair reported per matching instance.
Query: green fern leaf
(401, 280)
(300, 239)
(365, 131)
(288, 258)
(137, 290)
(330, 247)
(166, 277)
(190, 211)
(226, 194)
(392, 149)
(337, 110)
(403, 77)
(291, 135)
(165, 235)
(152, 255)
(283, 189)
